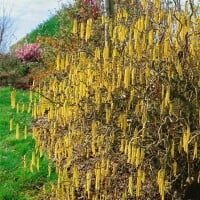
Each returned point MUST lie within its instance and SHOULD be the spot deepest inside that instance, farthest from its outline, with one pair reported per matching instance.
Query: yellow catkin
(88, 182)
(140, 180)
(23, 108)
(76, 176)
(161, 16)
(125, 14)
(174, 168)
(13, 98)
(33, 84)
(136, 37)
(124, 195)
(167, 96)
(88, 29)
(66, 62)
(155, 52)
(172, 149)
(38, 163)
(49, 170)
(33, 159)
(142, 154)
(186, 137)
(161, 182)
(115, 53)
(171, 109)
(82, 35)
(17, 132)
(17, 108)
(93, 147)
(94, 129)
(195, 150)
(11, 124)
(122, 146)
(119, 79)
(24, 161)
(130, 185)
(133, 76)
(157, 4)
(129, 153)
(106, 52)
(147, 75)
(169, 21)
(122, 33)
(57, 62)
(163, 91)
(41, 149)
(31, 167)
(166, 48)
(180, 146)
(29, 108)
(75, 26)
(151, 35)
(108, 115)
(103, 19)
(25, 131)
(62, 63)
(137, 160)
(98, 178)
(97, 54)
(130, 49)
(114, 169)
(114, 34)
(133, 154)
(127, 77)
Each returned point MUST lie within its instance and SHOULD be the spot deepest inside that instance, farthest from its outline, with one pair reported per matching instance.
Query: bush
(8, 68)
(8, 62)
(29, 52)
(121, 121)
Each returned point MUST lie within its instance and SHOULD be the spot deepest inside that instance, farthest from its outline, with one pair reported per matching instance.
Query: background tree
(5, 26)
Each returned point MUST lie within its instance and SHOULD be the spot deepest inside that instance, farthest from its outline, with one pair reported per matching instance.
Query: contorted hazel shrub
(29, 52)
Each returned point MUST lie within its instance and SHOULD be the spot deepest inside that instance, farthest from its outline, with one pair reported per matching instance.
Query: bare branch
(5, 26)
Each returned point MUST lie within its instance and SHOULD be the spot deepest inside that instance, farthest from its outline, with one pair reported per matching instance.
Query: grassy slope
(17, 182)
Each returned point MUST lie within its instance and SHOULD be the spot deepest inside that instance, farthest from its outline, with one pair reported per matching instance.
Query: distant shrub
(8, 63)
(29, 52)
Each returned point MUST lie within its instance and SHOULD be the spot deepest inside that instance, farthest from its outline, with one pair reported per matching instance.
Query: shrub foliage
(29, 52)
(122, 120)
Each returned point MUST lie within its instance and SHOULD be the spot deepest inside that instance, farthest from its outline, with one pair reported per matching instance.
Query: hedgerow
(120, 119)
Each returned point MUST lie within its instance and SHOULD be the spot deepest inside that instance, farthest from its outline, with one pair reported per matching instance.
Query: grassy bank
(16, 180)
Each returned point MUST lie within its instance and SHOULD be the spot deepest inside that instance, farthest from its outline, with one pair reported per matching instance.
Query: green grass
(17, 182)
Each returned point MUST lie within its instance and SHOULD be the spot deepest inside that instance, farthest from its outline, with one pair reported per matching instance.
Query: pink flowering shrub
(29, 52)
